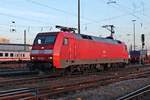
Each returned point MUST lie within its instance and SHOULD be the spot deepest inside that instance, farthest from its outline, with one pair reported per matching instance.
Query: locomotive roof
(15, 47)
(83, 36)
(16, 44)
(47, 33)
(101, 39)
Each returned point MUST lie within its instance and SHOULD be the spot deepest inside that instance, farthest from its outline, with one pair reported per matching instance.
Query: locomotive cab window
(65, 42)
(39, 41)
(45, 39)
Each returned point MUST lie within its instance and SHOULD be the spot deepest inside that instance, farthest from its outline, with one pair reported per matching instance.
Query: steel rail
(17, 94)
(29, 80)
(17, 73)
(25, 80)
(136, 94)
(50, 91)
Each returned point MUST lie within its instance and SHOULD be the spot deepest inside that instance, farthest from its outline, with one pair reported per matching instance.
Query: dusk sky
(42, 15)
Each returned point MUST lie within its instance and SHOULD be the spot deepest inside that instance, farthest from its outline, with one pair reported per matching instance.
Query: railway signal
(143, 40)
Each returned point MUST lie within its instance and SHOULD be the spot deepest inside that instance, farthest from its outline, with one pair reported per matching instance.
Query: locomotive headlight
(32, 58)
(50, 57)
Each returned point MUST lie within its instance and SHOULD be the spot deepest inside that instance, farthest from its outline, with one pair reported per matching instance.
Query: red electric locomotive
(68, 50)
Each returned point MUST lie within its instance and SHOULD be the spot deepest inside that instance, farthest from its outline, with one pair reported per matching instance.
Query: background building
(4, 40)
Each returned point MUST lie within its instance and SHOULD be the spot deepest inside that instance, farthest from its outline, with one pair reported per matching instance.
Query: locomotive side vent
(66, 29)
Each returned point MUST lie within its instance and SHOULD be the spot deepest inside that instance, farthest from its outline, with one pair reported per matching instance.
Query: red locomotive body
(61, 50)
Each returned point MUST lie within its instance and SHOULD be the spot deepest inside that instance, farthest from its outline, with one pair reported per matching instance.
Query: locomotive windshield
(45, 39)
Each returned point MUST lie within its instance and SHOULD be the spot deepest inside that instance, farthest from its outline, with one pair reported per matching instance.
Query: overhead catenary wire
(121, 8)
(128, 10)
(34, 20)
(75, 15)
(126, 13)
(22, 18)
(56, 9)
(124, 8)
(69, 13)
(60, 10)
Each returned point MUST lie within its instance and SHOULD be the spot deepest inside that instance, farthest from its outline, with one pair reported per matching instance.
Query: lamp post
(133, 34)
(25, 40)
(79, 16)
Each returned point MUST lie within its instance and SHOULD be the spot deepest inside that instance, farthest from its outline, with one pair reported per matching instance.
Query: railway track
(10, 73)
(54, 90)
(137, 95)
(24, 81)
(61, 86)
(24, 71)
(45, 78)
(15, 94)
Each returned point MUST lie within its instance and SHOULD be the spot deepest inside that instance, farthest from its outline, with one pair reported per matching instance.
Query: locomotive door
(72, 49)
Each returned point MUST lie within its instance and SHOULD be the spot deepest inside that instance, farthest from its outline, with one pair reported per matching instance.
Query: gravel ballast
(109, 92)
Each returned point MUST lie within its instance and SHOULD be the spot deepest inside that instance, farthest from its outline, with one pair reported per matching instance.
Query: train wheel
(122, 65)
(30, 66)
(65, 72)
(99, 67)
(107, 67)
(53, 70)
